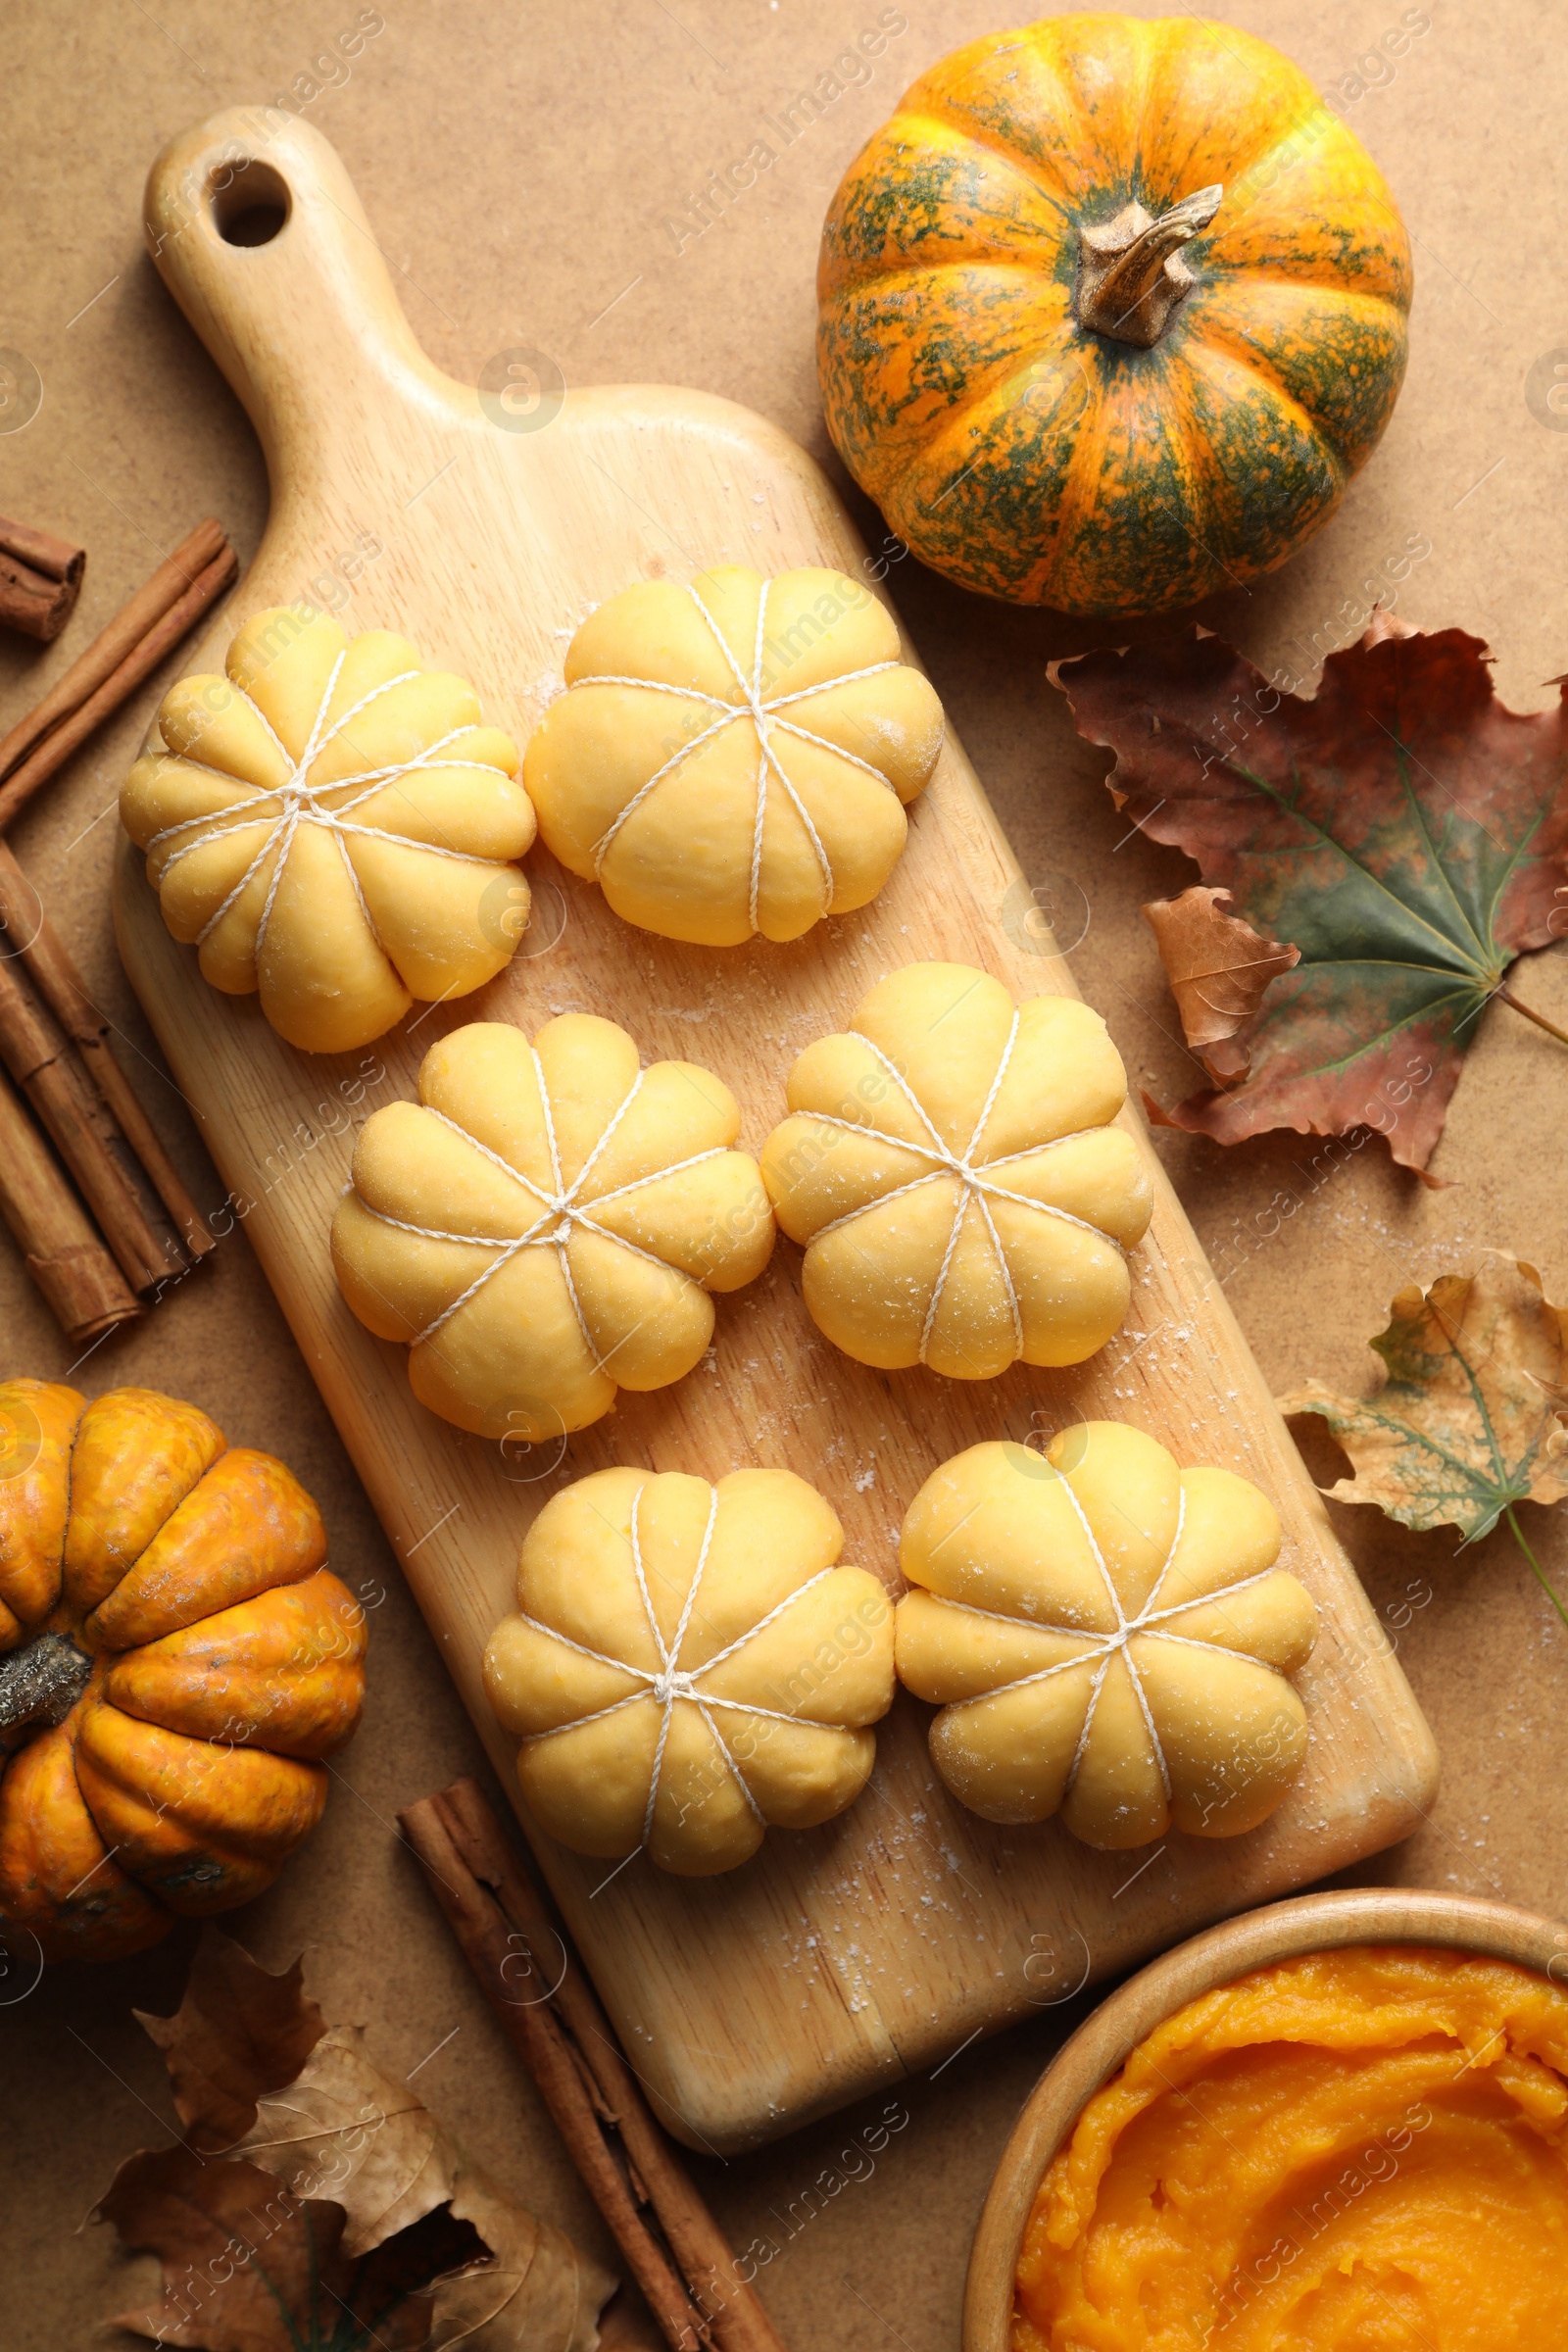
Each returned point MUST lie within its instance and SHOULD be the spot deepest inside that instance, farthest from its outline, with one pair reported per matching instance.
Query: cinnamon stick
(84, 1289)
(146, 651)
(26, 929)
(40, 579)
(55, 557)
(43, 1063)
(550, 2059)
(53, 1039)
(681, 2257)
(110, 647)
(699, 2244)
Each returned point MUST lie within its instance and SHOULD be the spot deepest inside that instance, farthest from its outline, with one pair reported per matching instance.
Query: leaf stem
(1542, 1022)
(1519, 1539)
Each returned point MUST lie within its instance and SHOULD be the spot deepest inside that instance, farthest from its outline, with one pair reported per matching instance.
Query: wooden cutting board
(486, 525)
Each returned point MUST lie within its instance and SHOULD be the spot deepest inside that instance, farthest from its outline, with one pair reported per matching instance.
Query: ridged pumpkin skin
(225, 1660)
(1044, 462)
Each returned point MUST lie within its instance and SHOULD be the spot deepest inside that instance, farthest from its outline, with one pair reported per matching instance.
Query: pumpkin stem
(42, 1683)
(1130, 272)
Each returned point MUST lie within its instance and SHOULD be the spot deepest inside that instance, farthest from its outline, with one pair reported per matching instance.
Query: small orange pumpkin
(177, 1658)
(1110, 311)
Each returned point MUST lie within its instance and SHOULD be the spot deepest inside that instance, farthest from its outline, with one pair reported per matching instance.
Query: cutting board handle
(260, 235)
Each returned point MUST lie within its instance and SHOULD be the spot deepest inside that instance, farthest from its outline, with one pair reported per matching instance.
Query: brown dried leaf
(628, 2325)
(239, 2032)
(249, 2269)
(1468, 1420)
(338, 2161)
(1218, 967)
(538, 2291)
(344, 2129)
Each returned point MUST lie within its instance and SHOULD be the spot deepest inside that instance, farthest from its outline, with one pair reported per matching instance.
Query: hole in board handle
(249, 202)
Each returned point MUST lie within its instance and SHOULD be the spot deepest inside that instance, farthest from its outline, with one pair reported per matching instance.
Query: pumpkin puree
(1362, 2150)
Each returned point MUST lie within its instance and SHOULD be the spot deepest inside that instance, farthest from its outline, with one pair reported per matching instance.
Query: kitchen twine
(561, 1202)
(763, 715)
(670, 1684)
(1106, 1647)
(559, 1206)
(973, 1185)
(301, 803)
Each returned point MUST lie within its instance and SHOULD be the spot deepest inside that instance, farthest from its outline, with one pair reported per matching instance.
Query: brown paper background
(519, 164)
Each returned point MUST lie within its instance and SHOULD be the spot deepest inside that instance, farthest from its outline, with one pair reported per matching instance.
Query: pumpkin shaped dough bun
(177, 1659)
(689, 1665)
(1108, 1637)
(333, 825)
(734, 757)
(545, 1224)
(951, 1168)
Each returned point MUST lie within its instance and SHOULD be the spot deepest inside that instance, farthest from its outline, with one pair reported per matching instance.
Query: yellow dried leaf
(1468, 1422)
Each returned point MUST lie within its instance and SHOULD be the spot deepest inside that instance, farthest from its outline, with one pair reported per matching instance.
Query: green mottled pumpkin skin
(1035, 460)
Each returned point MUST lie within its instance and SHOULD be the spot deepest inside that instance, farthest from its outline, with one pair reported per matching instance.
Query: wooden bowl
(1311, 1922)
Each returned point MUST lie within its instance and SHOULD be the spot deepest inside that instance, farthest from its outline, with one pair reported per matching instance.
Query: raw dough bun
(689, 1666)
(331, 825)
(734, 757)
(951, 1168)
(544, 1226)
(1106, 1635)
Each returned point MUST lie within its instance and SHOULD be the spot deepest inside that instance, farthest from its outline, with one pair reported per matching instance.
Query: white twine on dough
(299, 803)
(1100, 1650)
(762, 712)
(670, 1681)
(561, 1207)
(975, 1184)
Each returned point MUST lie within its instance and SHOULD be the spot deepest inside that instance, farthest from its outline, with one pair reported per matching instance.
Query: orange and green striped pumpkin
(1110, 311)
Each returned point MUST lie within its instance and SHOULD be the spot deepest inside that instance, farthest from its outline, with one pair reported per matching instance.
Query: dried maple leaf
(1467, 1423)
(388, 2162)
(341, 2198)
(1218, 967)
(239, 2032)
(1401, 827)
(247, 2268)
